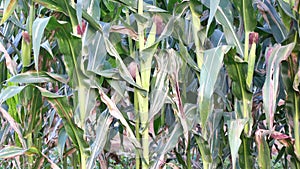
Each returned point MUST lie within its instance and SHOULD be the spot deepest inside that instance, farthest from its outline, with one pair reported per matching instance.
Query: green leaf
(186, 57)
(264, 160)
(97, 52)
(274, 56)
(31, 77)
(62, 138)
(248, 14)
(14, 125)
(38, 28)
(168, 145)
(124, 73)
(213, 5)
(75, 133)
(115, 112)
(213, 61)
(10, 92)
(61, 6)
(11, 152)
(273, 19)
(94, 9)
(234, 132)
(102, 131)
(47, 47)
(225, 18)
(204, 150)
(160, 89)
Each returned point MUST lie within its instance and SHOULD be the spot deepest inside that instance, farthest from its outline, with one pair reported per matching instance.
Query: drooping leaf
(160, 90)
(204, 150)
(115, 112)
(75, 133)
(273, 19)
(13, 124)
(62, 138)
(31, 77)
(47, 47)
(237, 71)
(9, 92)
(38, 28)
(10, 63)
(97, 52)
(125, 74)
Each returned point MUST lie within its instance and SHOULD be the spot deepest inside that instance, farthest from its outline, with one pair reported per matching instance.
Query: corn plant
(149, 84)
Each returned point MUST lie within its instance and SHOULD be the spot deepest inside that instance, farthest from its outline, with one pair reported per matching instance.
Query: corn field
(141, 84)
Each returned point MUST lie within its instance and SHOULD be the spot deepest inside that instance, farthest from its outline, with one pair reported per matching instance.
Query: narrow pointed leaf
(213, 5)
(169, 145)
(9, 92)
(115, 112)
(13, 124)
(274, 56)
(213, 60)
(248, 14)
(38, 29)
(224, 16)
(235, 130)
(273, 19)
(264, 161)
(101, 137)
(11, 152)
(8, 10)
(31, 77)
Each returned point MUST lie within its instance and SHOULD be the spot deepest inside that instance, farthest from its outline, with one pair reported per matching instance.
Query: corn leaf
(274, 56)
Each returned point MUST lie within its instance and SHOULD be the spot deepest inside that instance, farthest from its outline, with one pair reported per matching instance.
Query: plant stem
(296, 126)
(136, 105)
(137, 128)
(246, 155)
(143, 97)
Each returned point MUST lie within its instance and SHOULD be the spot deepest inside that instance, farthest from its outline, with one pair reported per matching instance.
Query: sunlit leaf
(31, 77)
(8, 10)
(11, 152)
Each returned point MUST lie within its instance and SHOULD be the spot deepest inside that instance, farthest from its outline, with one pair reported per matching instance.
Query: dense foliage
(149, 84)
